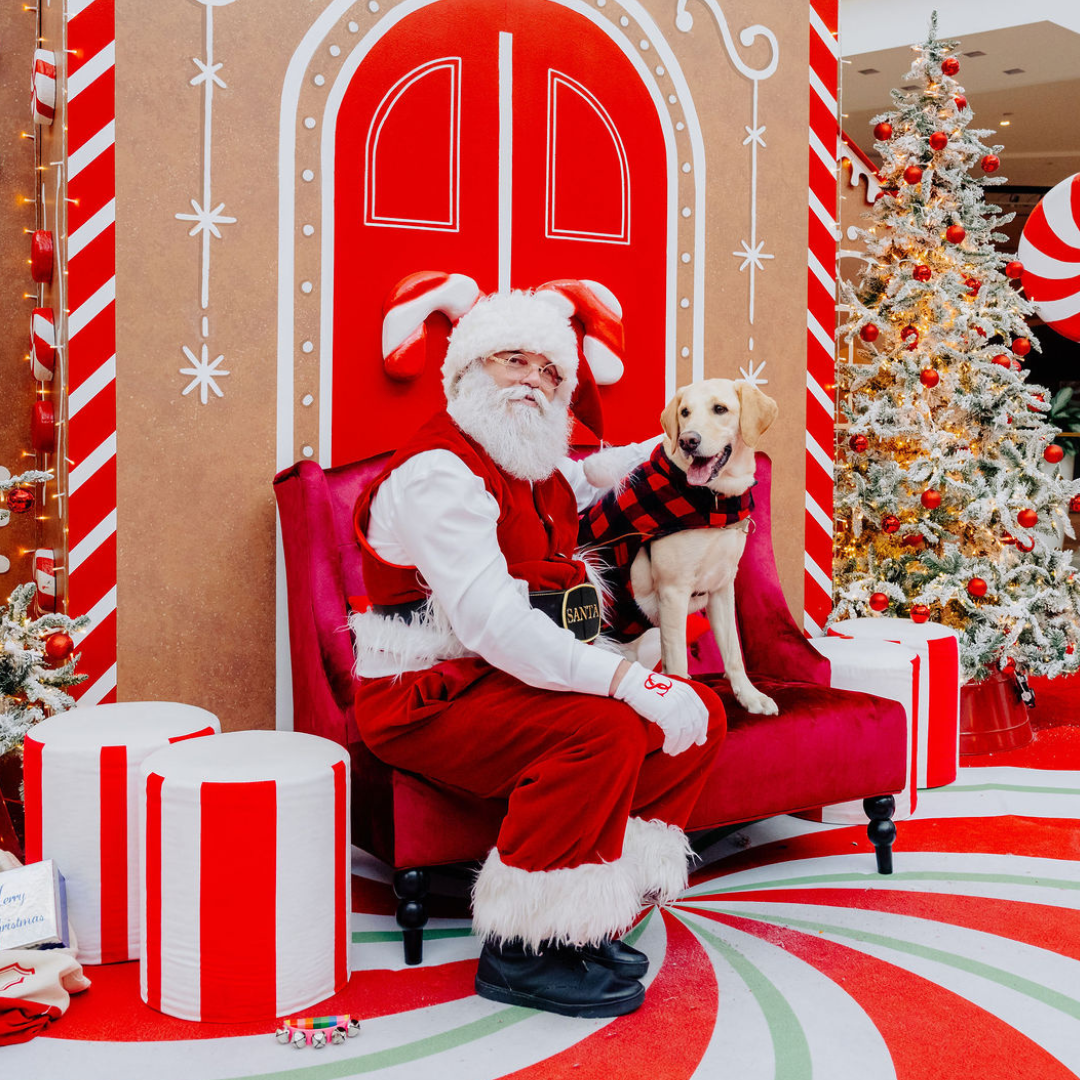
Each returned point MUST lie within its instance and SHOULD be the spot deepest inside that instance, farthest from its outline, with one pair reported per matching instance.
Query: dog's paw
(754, 701)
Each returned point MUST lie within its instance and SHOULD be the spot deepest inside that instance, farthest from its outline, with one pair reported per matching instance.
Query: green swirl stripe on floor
(398, 1055)
(791, 1049)
(883, 879)
(1052, 998)
(369, 936)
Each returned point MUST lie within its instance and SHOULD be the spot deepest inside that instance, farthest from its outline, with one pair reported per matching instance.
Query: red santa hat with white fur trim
(535, 322)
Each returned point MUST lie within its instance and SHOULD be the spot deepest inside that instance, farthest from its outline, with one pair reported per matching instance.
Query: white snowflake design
(204, 372)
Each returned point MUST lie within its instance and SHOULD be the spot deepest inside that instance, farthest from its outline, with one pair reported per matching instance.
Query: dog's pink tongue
(700, 470)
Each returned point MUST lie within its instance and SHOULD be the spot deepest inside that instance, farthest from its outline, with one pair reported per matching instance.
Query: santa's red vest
(537, 526)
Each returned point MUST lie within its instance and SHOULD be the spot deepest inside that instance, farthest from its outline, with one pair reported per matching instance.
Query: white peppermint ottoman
(245, 876)
(938, 744)
(81, 782)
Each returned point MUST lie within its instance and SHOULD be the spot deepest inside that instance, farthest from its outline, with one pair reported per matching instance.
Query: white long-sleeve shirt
(433, 512)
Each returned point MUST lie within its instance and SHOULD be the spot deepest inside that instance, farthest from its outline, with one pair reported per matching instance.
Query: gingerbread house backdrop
(232, 190)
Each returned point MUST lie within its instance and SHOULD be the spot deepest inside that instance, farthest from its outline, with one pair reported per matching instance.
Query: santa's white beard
(526, 441)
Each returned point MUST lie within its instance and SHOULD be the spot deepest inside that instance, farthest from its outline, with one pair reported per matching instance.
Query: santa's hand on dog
(670, 704)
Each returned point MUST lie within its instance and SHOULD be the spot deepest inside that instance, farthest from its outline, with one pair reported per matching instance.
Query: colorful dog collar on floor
(315, 1031)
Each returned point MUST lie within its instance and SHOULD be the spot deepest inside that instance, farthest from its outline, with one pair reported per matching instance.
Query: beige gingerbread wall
(196, 535)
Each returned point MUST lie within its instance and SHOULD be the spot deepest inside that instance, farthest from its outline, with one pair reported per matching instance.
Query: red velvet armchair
(825, 746)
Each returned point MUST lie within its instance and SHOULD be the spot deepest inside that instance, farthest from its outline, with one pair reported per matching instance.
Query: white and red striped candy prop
(43, 427)
(1050, 251)
(43, 87)
(406, 310)
(45, 579)
(41, 256)
(82, 774)
(598, 310)
(246, 875)
(938, 648)
(43, 343)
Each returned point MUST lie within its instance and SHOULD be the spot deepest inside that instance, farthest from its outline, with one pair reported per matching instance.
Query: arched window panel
(412, 167)
(588, 178)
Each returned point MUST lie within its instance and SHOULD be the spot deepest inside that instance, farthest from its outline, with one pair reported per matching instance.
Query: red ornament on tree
(20, 500)
(921, 272)
(939, 140)
(1074, 505)
(1070, 649)
(955, 234)
(1001, 360)
(929, 378)
(990, 163)
(869, 332)
(1009, 668)
(1025, 546)
(890, 523)
(1021, 346)
(1027, 518)
(1014, 269)
(912, 174)
(976, 586)
(950, 65)
(961, 101)
(1053, 453)
(920, 613)
(930, 498)
(980, 331)
(883, 131)
(974, 285)
(910, 335)
(858, 443)
(878, 601)
(913, 539)
(1008, 538)
(58, 647)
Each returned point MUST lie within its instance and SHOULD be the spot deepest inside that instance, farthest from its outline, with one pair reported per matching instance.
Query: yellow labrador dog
(711, 429)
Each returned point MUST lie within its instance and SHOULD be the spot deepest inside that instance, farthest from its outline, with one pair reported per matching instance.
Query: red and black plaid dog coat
(654, 501)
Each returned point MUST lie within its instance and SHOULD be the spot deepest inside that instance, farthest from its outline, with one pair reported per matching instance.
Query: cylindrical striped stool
(887, 670)
(81, 781)
(939, 688)
(245, 876)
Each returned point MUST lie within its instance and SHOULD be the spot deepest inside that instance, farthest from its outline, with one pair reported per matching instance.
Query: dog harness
(655, 500)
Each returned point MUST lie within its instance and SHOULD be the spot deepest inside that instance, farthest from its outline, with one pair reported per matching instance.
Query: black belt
(576, 609)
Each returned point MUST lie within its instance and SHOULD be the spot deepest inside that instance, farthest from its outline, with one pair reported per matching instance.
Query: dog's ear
(757, 411)
(669, 421)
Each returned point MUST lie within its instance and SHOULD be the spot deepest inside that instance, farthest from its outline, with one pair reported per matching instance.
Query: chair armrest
(887, 670)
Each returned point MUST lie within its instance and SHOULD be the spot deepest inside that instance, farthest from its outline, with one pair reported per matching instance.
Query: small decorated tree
(944, 508)
(37, 665)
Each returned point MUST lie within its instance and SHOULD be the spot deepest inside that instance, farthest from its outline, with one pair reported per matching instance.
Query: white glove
(670, 704)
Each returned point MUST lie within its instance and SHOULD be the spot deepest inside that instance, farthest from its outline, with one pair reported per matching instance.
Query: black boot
(619, 957)
(561, 981)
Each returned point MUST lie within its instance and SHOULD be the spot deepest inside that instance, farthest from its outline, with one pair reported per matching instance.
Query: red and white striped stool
(246, 876)
(886, 670)
(939, 688)
(82, 780)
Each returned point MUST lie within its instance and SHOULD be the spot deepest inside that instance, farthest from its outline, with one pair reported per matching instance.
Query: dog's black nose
(689, 441)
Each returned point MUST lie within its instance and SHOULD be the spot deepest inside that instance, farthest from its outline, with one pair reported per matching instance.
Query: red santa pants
(574, 767)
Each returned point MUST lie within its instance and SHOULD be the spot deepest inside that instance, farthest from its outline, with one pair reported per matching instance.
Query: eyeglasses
(520, 366)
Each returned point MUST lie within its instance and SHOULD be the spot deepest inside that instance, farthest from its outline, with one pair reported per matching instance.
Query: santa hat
(535, 322)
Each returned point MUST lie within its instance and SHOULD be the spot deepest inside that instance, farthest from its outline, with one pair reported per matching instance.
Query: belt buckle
(581, 611)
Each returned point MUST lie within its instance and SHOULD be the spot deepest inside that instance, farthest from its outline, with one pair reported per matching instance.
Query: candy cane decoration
(43, 87)
(45, 579)
(42, 256)
(406, 310)
(43, 343)
(600, 313)
(1050, 252)
(43, 427)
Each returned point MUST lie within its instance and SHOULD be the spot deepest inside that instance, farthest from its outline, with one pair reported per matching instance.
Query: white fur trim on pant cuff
(659, 857)
(576, 906)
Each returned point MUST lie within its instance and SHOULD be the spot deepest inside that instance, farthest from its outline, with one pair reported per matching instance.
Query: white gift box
(33, 907)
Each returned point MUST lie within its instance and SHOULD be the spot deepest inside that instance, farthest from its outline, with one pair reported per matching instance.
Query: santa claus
(479, 668)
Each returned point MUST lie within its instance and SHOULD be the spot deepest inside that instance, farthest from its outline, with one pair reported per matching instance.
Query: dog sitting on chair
(673, 531)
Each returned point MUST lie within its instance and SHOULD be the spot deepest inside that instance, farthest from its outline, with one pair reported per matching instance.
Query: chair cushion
(825, 746)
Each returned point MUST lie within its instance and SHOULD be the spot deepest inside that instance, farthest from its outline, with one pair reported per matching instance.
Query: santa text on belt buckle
(581, 611)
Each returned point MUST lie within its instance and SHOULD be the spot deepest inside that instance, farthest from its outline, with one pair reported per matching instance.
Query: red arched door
(513, 143)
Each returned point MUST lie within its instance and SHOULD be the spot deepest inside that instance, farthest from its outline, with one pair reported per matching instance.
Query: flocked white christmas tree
(36, 661)
(942, 509)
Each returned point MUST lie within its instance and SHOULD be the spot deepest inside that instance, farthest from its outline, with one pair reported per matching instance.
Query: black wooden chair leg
(411, 889)
(882, 829)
